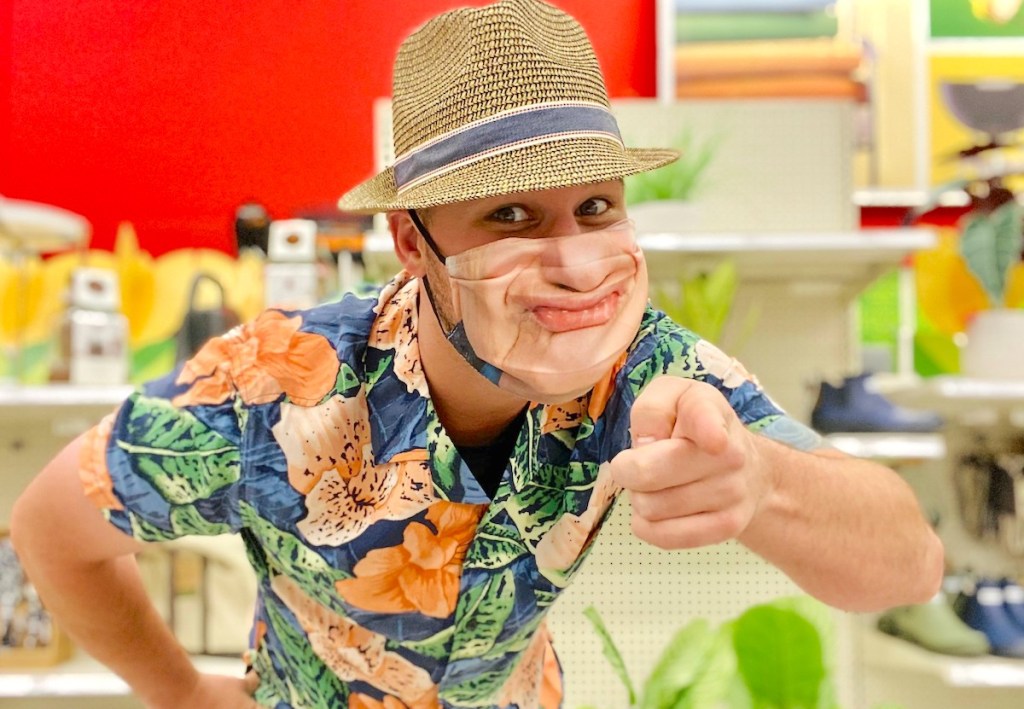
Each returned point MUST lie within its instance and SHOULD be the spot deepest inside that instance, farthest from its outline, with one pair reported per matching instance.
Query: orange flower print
(330, 461)
(563, 544)
(395, 329)
(422, 574)
(558, 417)
(536, 680)
(604, 389)
(261, 360)
(92, 465)
(354, 653)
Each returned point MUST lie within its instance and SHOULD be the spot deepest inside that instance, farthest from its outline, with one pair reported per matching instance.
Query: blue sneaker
(1013, 599)
(853, 407)
(985, 610)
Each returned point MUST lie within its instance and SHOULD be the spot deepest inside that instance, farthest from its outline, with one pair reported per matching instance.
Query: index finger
(653, 414)
(672, 407)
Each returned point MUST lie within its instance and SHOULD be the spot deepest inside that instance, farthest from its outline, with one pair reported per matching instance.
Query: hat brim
(536, 167)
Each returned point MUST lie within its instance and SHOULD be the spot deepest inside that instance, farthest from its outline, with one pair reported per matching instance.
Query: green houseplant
(771, 655)
(971, 287)
(662, 200)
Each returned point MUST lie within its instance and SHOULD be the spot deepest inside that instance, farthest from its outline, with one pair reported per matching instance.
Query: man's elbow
(22, 533)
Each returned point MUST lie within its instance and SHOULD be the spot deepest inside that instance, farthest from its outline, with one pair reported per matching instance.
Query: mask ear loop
(454, 333)
(446, 328)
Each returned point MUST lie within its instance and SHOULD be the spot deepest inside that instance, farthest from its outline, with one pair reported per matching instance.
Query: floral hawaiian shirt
(387, 579)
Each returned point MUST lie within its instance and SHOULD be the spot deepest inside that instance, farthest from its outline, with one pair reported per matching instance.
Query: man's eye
(510, 214)
(594, 207)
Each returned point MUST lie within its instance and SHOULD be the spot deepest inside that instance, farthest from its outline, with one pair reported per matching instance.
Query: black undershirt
(488, 463)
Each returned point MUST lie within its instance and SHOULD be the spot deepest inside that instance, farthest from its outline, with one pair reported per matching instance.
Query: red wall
(169, 113)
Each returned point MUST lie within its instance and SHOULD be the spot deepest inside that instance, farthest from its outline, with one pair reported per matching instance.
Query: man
(418, 475)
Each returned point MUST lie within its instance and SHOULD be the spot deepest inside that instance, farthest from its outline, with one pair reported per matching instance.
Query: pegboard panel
(645, 595)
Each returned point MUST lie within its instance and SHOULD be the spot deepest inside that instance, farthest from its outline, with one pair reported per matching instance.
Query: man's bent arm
(85, 572)
(846, 530)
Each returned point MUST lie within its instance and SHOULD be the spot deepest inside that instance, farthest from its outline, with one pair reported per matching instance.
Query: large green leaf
(716, 680)
(708, 299)
(182, 457)
(679, 666)
(488, 607)
(611, 652)
(780, 657)
(991, 244)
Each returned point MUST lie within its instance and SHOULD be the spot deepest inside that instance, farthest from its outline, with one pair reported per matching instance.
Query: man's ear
(408, 243)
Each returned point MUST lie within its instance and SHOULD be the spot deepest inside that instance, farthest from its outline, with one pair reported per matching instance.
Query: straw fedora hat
(494, 100)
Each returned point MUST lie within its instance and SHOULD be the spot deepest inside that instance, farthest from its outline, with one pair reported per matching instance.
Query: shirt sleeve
(168, 463)
(665, 347)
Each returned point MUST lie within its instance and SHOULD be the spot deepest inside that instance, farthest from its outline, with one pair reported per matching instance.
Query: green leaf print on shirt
(473, 692)
(488, 606)
(493, 547)
(183, 458)
(437, 646)
(289, 556)
(310, 683)
(382, 367)
(347, 383)
(676, 354)
(534, 510)
(443, 455)
(185, 520)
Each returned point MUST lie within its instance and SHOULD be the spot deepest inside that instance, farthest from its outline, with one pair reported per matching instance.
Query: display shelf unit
(852, 258)
(960, 397)
(891, 447)
(909, 198)
(37, 421)
(881, 651)
(81, 676)
(61, 396)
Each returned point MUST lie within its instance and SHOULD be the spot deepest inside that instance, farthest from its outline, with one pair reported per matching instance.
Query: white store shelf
(82, 676)
(840, 257)
(962, 396)
(884, 652)
(890, 446)
(884, 197)
(62, 396)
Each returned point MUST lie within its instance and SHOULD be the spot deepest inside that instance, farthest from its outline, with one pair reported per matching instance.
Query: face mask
(546, 318)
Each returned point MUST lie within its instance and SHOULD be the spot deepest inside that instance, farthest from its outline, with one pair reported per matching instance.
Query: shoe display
(853, 407)
(934, 626)
(985, 609)
(1013, 599)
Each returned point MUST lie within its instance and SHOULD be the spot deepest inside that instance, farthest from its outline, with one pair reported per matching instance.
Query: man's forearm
(105, 608)
(85, 571)
(820, 525)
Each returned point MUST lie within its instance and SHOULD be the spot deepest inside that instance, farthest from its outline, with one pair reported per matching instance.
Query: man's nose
(578, 264)
(563, 224)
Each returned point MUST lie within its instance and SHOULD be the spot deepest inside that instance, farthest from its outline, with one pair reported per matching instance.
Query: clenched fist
(694, 474)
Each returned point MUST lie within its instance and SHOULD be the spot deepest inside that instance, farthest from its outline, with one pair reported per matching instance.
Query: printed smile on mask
(568, 313)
